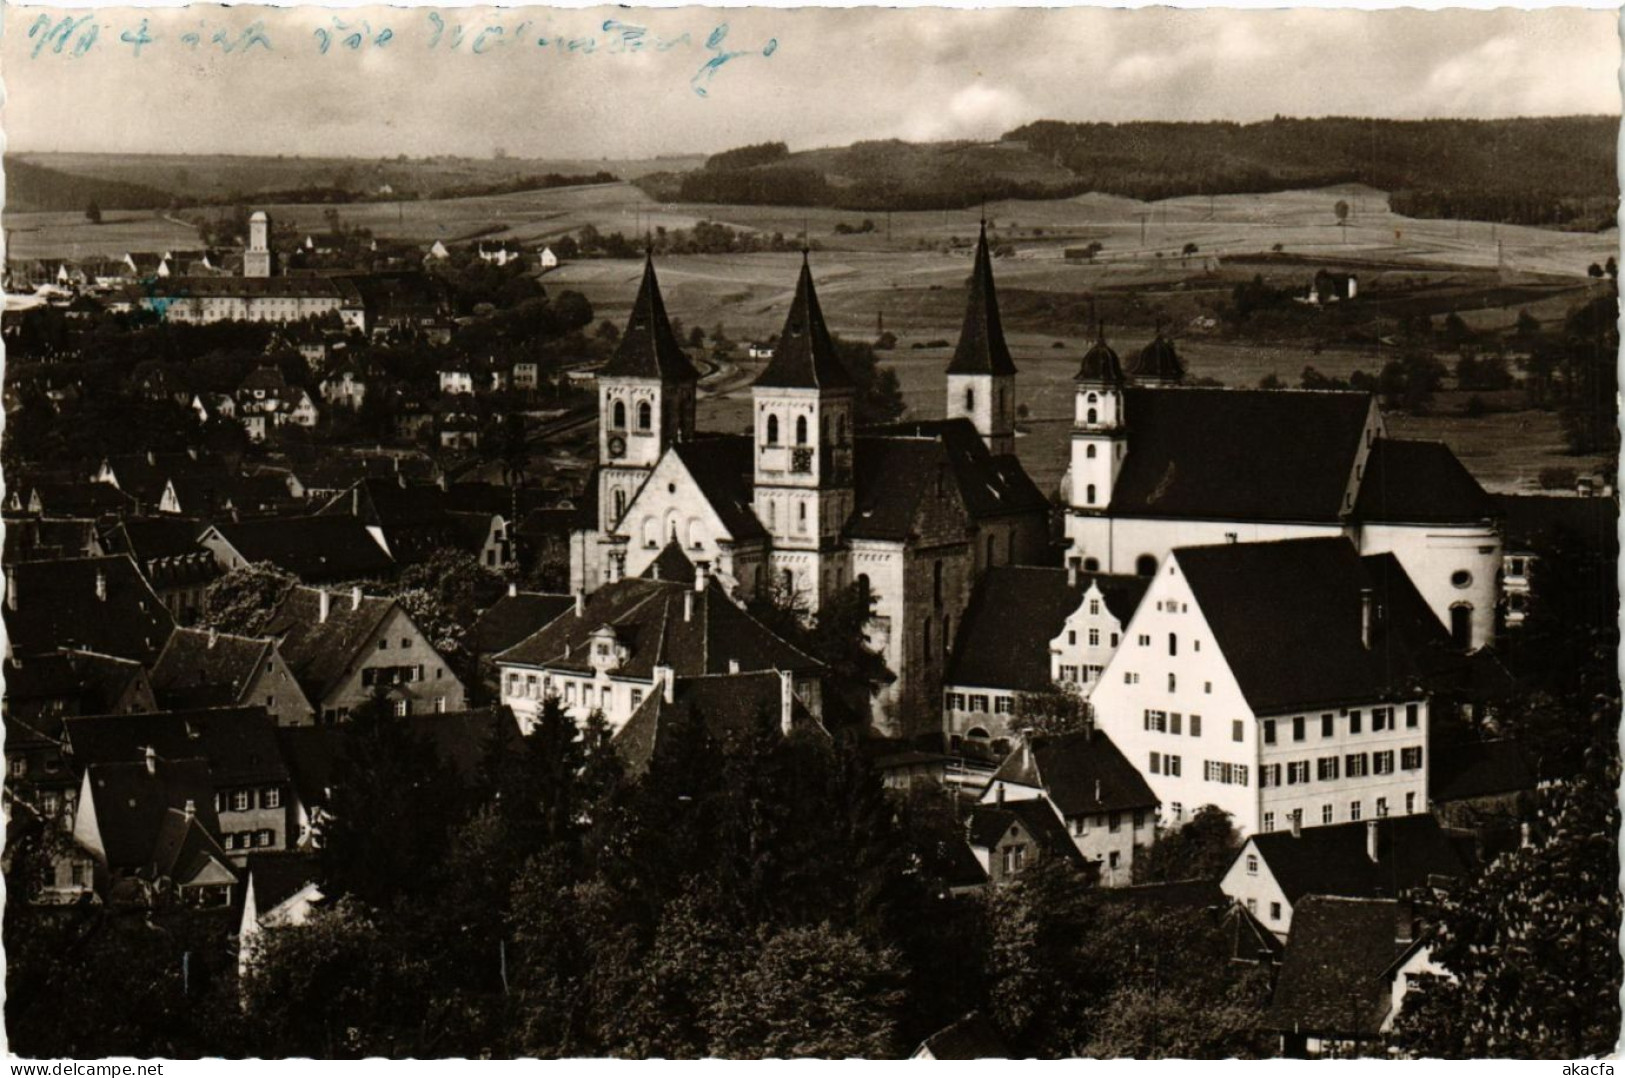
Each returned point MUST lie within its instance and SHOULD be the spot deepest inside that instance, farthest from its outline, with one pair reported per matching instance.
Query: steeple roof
(1100, 363)
(805, 355)
(981, 347)
(649, 348)
(1157, 361)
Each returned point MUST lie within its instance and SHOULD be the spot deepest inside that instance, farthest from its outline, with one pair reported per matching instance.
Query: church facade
(807, 503)
(1156, 466)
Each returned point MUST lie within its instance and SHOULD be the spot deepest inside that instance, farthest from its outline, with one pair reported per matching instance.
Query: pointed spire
(805, 356)
(981, 347)
(649, 348)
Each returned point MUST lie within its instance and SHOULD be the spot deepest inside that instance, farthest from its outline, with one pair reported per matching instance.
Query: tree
(243, 600)
(393, 803)
(1271, 381)
(1531, 945)
(1594, 271)
(93, 214)
(810, 992)
(1342, 211)
(1060, 710)
(1201, 850)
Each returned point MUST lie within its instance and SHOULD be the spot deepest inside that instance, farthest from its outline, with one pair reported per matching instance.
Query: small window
(772, 430)
(1461, 578)
(1275, 911)
(801, 430)
(1236, 730)
(618, 416)
(1089, 452)
(646, 415)
(1252, 865)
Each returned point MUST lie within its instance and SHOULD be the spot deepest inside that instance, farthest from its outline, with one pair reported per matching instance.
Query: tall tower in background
(257, 258)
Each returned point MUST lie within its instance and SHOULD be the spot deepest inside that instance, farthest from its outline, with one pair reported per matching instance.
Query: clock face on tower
(617, 446)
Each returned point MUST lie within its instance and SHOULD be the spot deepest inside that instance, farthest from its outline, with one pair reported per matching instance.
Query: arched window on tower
(801, 430)
(1461, 625)
(618, 416)
(970, 399)
(1091, 417)
(788, 581)
(772, 430)
(936, 582)
(620, 504)
(1090, 496)
(1089, 452)
(646, 416)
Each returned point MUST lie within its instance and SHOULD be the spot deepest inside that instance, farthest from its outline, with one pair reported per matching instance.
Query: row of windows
(1382, 718)
(1090, 674)
(1355, 766)
(1165, 722)
(570, 692)
(1110, 821)
(1328, 816)
(1131, 677)
(1166, 764)
(977, 703)
(1094, 634)
(617, 416)
(771, 429)
(383, 642)
(249, 840)
(396, 675)
(1228, 774)
(268, 797)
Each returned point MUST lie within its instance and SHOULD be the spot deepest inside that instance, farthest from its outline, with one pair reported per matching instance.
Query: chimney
(1027, 755)
(666, 679)
(702, 575)
(324, 603)
(1523, 836)
(581, 603)
(688, 606)
(355, 597)
(11, 588)
(152, 459)
(1365, 618)
(1404, 922)
(150, 755)
(787, 702)
(1371, 840)
(1097, 791)
(1297, 824)
(998, 793)
(1072, 572)
(101, 584)
(733, 666)
(191, 808)
(214, 636)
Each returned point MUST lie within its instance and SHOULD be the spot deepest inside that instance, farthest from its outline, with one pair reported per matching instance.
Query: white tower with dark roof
(804, 407)
(257, 256)
(982, 376)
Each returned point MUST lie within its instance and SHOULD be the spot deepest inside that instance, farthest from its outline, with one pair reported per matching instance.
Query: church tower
(1099, 429)
(257, 257)
(982, 376)
(803, 407)
(645, 402)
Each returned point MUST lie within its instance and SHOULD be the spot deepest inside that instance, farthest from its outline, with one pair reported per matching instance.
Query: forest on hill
(35, 188)
(1548, 171)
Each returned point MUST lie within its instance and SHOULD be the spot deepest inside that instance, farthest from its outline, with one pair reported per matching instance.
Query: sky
(554, 83)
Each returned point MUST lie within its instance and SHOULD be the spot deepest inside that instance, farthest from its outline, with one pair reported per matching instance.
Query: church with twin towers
(812, 501)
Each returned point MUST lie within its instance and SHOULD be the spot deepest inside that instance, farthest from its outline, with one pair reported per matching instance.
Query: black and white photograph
(810, 533)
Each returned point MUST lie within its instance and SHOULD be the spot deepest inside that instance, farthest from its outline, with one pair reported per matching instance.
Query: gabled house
(250, 789)
(1008, 837)
(102, 605)
(72, 682)
(515, 616)
(203, 668)
(177, 567)
(1278, 681)
(345, 386)
(47, 538)
(732, 705)
(1344, 976)
(971, 1037)
(316, 549)
(280, 890)
(1029, 630)
(150, 825)
(1104, 803)
(622, 644)
(344, 649)
(410, 521)
(1272, 873)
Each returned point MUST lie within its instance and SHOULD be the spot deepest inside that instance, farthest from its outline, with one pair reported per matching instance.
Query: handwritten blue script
(78, 37)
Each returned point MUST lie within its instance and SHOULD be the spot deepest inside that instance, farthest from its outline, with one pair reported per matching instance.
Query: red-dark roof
(57, 605)
(1236, 454)
(805, 357)
(1419, 483)
(981, 348)
(1287, 618)
(648, 348)
(1335, 860)
(1083, 773)
(1334, 981)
